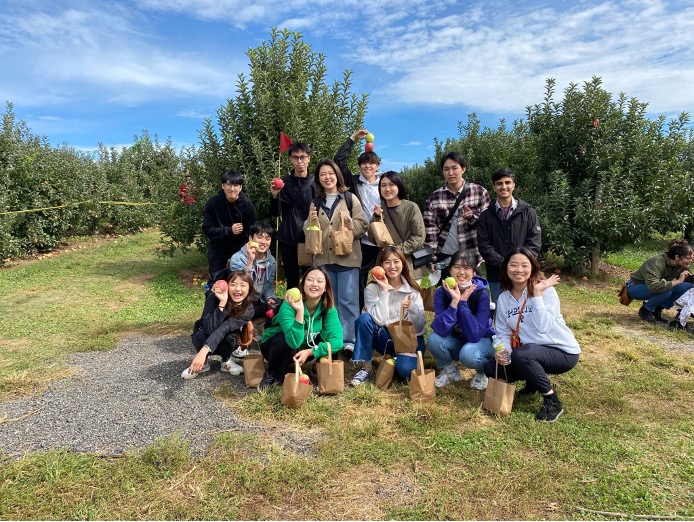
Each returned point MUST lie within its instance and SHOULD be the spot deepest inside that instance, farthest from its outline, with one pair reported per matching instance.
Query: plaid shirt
(437, 207)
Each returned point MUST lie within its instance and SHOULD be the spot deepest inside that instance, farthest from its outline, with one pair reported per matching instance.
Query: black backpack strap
(455, 206)
(474, 301)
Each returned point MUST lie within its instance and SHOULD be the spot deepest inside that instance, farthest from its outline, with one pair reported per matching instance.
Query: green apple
(391, 361)
(253, 244)
(450, 282)
(369, 138)
(293, 294)
(312, 228)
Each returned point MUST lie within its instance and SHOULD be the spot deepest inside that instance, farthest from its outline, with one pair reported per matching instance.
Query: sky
(90, 72)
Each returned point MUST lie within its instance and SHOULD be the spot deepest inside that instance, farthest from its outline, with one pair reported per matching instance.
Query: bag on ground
(253, 370)
(295, 393)
(385, 372)
(498, 398)
(403, 334)
(331, 374)
(422, 382)
(624, 294)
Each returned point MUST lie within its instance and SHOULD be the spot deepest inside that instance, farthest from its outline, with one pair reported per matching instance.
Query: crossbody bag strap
(460, 197)
(520, 315)
(397, 231)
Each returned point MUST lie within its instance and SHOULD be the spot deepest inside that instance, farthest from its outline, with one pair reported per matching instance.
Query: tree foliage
(286, 91)
(597, 170)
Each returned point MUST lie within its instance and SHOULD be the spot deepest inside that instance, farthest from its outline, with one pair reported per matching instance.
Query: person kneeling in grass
(218, 329)
(529, 308)
(462, 324)
(383, 299)
(302, 328)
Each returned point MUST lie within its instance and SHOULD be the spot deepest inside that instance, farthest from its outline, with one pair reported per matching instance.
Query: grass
(623, 445)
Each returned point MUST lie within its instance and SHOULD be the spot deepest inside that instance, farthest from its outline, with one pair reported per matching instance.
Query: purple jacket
(462, 322)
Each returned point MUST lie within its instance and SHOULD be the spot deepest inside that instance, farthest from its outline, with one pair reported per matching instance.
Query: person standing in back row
(293, 202)
(225, 221)
(365, 187)
(506, 224)
(451, 212)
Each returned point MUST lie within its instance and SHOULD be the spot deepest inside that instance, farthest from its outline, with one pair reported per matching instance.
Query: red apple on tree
(596, 122)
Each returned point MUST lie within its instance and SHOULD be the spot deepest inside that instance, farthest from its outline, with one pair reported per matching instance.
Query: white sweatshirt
(541, 323)
(384, 307)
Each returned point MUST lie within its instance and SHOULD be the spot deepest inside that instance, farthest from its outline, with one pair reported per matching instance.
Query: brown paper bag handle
(420, 363)
(402, 313)
(330, 357)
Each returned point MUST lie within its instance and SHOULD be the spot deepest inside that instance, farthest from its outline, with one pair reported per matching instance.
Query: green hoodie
(296, 333)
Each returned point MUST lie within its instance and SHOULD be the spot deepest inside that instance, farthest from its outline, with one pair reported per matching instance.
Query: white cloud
(500, 62)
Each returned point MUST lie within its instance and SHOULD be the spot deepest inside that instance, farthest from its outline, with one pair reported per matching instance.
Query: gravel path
(120, 400)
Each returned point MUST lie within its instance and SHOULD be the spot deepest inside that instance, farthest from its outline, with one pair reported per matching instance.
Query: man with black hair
(504, 225)
(293, 202)
(226, 219)
(365, 187)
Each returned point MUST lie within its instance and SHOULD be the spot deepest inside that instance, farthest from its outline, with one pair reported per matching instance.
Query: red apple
(596, 122)
(584, 278)
(277, 183)
(377, 272)
(221, 284)
(303, 378)
(270, 314)
(369, 147)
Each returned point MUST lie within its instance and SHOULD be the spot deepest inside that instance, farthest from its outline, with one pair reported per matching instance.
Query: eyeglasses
(232, 185)
(299, 158)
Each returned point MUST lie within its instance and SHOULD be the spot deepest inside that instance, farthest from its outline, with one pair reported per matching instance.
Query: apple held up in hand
(369, 138)
(377, 272)
(450, 282)
(293, 295)
(253, 244)
(277, 183)
(221, 285)
(304, 379)
(369, 147)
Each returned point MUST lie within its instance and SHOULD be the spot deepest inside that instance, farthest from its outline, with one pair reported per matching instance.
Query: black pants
(278, 355)
(369, 254)
(224, 349)
(216, 262)
(531, 363)
(290, 263)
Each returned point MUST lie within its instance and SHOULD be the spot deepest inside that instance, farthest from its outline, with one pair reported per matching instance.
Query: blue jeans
(371, 336)
(346, 291)
(640, 292)
(472, 355)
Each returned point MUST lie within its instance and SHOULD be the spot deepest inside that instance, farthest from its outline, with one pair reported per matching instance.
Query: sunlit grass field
(624, 445)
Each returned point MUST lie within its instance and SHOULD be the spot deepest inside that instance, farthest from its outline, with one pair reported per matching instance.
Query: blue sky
(90, 72)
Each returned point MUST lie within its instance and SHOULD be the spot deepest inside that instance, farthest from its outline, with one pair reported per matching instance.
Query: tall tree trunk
(595, 260)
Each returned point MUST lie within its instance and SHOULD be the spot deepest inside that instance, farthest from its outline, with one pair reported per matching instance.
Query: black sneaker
(647, 315)
(551, 409)
(267, 382)
(658, 314)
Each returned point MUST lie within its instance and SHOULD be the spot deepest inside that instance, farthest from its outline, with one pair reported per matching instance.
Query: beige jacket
(356, 222)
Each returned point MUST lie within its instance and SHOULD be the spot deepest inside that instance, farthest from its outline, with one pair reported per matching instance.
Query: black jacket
(352, 181)
(496, 237)
(216, 324)
(218, 217)
(293, 204)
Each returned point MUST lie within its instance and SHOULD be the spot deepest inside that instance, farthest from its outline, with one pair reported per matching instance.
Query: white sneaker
(231, 367)
(479, 382)
(187, 374)
(448, 375)
(239, 353)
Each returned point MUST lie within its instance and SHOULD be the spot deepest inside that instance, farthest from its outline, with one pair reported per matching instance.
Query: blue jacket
(238, 262)
(466, 324)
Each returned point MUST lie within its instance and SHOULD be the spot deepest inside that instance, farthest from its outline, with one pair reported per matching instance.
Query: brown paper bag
(403, 334)
(331, 375)
(380, 233)
(295, 393)
(428, 298)
(304, 258)
(253, 370)
(342, 238)
(384, 373)
(498, 398)
(422, 382)
(314, 237)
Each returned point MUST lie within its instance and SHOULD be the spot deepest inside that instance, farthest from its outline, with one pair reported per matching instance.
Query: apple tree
(286, 90)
